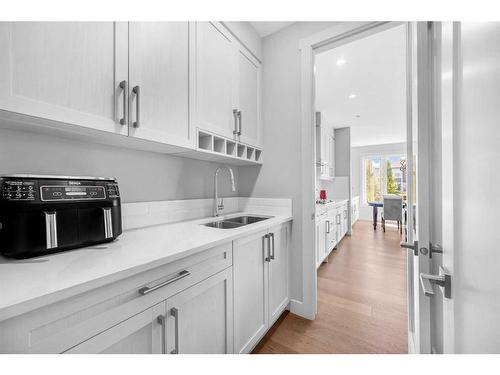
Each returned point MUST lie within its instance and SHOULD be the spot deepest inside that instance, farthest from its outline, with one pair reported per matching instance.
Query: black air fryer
(40, 215)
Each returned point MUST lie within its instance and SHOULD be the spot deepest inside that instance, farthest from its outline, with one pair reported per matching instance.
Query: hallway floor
(361, 301)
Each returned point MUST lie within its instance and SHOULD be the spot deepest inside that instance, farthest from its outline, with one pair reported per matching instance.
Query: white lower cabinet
(261, 285)
(140, 334)
(199, 320)
(222, 300)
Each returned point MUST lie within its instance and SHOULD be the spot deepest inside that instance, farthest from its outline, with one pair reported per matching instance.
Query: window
(384, 174)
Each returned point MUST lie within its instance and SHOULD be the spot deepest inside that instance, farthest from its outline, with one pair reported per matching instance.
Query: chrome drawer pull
(147, 290)
(161, 320)
(175, 313)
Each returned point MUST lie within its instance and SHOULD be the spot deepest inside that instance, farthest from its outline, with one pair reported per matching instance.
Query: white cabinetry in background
(261, 286)
(331, 227)
(325, 151)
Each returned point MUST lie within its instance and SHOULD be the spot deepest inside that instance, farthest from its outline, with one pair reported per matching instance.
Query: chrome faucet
(220, 206)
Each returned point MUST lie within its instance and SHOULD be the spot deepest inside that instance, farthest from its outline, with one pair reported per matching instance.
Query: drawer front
(60, 326)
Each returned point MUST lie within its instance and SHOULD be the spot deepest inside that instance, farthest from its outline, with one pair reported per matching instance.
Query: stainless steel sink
(223, 224)
(235, 222)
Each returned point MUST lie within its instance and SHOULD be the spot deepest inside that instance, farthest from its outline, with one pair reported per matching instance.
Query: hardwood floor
(361, 301)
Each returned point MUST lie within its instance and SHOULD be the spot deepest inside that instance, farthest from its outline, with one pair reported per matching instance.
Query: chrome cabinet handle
(327, 226)
(137, 91)
(175, 313)
(147, 290)
(108, 223)
(123, 86)
(271, 235)
(235, 116)
(338, 218)
(161, 320)
(239, 122)
(268, 238)
(51, 230)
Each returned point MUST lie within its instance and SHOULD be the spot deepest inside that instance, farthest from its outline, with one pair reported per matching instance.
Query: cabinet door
(200, 319)
(140, 334)
(215, 84)
(250, 281)
(278, 273)
(249, 99)
(65, 71)
(331, 159)
(159, 66)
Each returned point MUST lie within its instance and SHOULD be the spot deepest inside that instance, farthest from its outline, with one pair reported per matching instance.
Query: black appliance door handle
(51, 229)
(108, 223)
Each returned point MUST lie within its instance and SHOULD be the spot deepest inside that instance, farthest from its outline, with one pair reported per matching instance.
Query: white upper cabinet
(159, 81)
(248, 99)
(65, 71)
(214, 79)
(226, 85)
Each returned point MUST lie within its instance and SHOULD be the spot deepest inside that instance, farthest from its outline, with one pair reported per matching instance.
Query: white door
(278, 272)
(418, 149)
(215, 79)
(200, 318)
(159, 69)
(69, 72)
(250, 283)
(141, 334)
(248, 99)
(469, 111)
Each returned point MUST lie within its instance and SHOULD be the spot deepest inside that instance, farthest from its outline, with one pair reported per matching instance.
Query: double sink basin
(236, 222)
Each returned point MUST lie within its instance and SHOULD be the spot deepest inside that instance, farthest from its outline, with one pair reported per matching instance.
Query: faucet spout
(220, 206)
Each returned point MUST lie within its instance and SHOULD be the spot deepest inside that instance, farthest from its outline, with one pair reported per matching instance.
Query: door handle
(410, 246)
(443, 280)
(123, 86)
(161, 320)
(137, 91)
(51, 230)
(175, 313)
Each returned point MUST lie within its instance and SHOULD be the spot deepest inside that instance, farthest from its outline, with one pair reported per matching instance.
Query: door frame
(327, 39)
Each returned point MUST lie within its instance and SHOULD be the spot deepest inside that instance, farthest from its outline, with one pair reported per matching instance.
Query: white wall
(142, 176)
(357, 153)
(280, 176)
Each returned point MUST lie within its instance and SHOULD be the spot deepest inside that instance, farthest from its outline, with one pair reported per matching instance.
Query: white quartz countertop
(32, 283)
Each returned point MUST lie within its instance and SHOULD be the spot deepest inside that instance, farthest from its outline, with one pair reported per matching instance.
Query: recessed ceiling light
(352, 96)
(340, 62)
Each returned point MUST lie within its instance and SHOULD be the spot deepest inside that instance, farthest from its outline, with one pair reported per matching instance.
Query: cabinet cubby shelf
(229, 150)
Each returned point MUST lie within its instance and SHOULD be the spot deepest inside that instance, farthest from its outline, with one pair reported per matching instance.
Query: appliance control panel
(69, 193)
(44, 190)
(19, 190)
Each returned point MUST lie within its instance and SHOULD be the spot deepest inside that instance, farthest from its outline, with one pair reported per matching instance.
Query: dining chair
(393, 210)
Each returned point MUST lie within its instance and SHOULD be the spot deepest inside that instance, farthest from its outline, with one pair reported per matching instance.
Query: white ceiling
(265, 28)
(374, 70)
